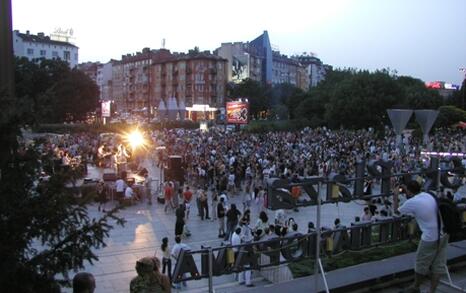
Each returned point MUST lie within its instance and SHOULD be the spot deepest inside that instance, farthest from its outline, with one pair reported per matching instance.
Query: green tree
(53, 92)
(361, 100)
(313, 109)
(417, 96)
(46, 230)
(458, 99)
(288, 95)
(449, 115)
(256, 94)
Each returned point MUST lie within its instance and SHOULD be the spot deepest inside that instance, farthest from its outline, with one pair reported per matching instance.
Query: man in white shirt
(244, 277)
(120, 187)
(129, 193)
(431, 252)
(176, 252)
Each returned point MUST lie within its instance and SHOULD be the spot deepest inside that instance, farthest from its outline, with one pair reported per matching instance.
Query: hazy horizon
(424, 39)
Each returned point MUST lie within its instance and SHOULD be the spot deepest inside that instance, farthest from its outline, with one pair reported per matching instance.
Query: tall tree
(46, 230)
(53, 91)
(361, 100)
(259, 99)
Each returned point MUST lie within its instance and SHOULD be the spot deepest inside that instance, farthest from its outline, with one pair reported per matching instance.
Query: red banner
(237, 112)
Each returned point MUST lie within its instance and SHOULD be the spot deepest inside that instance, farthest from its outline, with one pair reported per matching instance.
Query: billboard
(106, 109)
(239, 67)
(237, 112)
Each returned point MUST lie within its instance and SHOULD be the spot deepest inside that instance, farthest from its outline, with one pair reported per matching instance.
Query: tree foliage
(359, 98)
(347, 98)
(254, 92)
(449, 115)
(53, 92)
(46, 230)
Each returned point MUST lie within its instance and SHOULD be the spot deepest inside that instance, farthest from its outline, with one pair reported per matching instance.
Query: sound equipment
(112, 177)
(175, 171)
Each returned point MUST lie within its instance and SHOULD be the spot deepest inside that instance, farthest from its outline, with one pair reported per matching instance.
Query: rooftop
(41, 38)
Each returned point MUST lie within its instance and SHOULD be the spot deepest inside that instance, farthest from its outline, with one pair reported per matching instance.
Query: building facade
(144, 79)
(104, 80)
(101, 74)
(35, 47)
(256, 60)
(315, 68)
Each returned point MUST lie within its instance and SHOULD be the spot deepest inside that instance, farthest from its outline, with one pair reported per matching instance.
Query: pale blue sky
(422, 38)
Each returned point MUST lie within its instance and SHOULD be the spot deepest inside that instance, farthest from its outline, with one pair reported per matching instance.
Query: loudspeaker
(175, 171)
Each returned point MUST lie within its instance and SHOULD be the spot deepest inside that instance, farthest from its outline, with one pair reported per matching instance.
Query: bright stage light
(135, 139)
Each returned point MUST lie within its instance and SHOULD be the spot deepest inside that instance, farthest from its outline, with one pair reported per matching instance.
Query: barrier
(338, 188)
(282, 250)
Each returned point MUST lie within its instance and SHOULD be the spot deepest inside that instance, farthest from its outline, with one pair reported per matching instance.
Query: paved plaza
(147, 224)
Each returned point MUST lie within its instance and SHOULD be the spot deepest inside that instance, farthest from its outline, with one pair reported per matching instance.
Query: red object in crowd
(168, 193)
(187, 195)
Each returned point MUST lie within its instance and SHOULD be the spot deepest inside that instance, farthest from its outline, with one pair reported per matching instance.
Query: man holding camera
(431, 251)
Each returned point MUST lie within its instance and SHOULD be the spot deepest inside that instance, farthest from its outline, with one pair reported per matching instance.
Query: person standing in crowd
(83, 283)
(179, 224)
(168, 196)
(367, 215)
(225, 199)
(147, 188)
(231, 183)
(262, 223)
(232, 220)
(120, 187)
(203, 201)
(260, 199)
(176, 250)
(198, 201)
(432, 249)
(214, 205)
(101, 195)
(221, 218)
(187, 197)
(247, 197)
(166, 260)
(129, 193)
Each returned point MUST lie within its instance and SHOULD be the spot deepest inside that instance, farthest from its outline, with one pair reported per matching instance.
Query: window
(66, 55)
(76, 56)
(55, 54)
(30, 51)
(42, 52)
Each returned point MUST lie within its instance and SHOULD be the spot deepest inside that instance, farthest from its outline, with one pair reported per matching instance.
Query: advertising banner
(106, 109)
(237, 112)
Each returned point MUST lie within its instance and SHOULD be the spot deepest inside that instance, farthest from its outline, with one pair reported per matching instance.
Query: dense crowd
(219, 165)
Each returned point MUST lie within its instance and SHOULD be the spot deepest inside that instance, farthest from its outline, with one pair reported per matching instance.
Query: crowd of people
(229, 159)
(221, 165)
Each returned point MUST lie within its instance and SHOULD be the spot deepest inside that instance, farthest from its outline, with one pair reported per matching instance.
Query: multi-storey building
(256, 60)
(243, 61)
(101, 74)
(90, 69)
(104, 80)
(148, 77)
(36, 47)
(315, 68)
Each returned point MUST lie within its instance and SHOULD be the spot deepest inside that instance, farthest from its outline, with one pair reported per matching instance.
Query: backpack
(451, 215)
